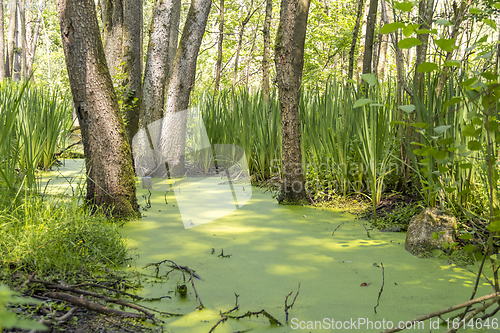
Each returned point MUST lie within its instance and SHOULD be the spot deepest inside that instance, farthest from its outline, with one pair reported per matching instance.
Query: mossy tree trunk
(289, 59)
(108, 159)
(123, 22)
(173, 139)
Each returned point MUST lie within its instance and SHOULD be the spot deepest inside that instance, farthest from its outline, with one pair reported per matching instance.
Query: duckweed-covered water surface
(262, 251)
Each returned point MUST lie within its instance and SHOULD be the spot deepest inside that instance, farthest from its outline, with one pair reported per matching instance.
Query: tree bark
(163, 31)
(267, 46)
(370, 33)
(425, 12)
(3, 64)
(123, 21)
(17, 67)
(108, 158)
(362, 39)
(220, 39)
(173, 139)
(355, 34)
(32, 36)
(11, 37)
(289, 59)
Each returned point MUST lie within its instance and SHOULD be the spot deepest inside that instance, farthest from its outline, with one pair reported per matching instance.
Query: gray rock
(419, 240)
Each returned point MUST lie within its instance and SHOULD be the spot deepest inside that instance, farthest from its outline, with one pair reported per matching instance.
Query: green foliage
(56, 236)
(8, 319)
(398, 218)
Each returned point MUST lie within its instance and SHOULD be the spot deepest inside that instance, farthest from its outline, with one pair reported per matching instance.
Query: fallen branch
(381, 289)
(221, 320)
(495, 298)
(175, 266)
(272, 320)
(96, 295)
(287, 307)
(473, 314)
(81, 302)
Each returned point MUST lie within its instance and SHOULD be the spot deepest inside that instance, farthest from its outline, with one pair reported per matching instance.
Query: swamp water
(273, 248)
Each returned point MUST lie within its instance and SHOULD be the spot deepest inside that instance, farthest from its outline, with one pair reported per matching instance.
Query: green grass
(56, 236)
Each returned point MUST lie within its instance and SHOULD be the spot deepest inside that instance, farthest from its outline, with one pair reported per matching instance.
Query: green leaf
(489, 76)
(493, 125)
(438, 154)
(405, 6)
(421, 151)
(443, 169)
(466, 166)
(423, 31)
(391, 27)
(452, 63)
(465, 236)
(435, 235)
(497, 5)
(446, 245)
(470, 130)
(442, 21)
(469, 248)
(441, 129)
(446, 44)
(369, 78)
(468, 82)
(474, 145)
(491, 23)
(447, 141)
(410, 29)
(420, 125)
(475, 11)
(427, 67)
(453, 100)
(407, 108)
(407, 43)
(361, 102)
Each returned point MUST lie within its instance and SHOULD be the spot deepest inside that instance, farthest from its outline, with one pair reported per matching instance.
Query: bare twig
(473, 314)
(381, 288)
(338, 227)
(272, 320)
(221, 320)
(287, 307)
(495, 297)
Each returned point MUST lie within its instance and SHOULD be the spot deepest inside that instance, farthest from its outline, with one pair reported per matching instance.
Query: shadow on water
(274, 248)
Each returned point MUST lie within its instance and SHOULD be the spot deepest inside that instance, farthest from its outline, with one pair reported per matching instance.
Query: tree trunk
(3, 64)
(267, 46)
(22, 23)
(164, 24)
(173, 139)
(123, 21)
(17, 67)
(240, 41)
(11, 37)
(32, 36)
(108, 158)
(220, 39)
(370, 33)
(383, 56)
(289, 59)
(362, 39)
(251, 55)
(425, 12)
(355, 34)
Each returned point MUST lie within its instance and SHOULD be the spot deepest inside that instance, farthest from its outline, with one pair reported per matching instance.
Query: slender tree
(173, 138)
(354, 41)
(241, 31)
(220, 39)
(370, 33)
(11, 37)
(425, 13)
(160, 58)
(289, 59)
(108, 158)
(267, 46)
(3, 64)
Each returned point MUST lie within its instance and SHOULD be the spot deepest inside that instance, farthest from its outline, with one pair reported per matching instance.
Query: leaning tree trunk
(425, 12)
(3, 64)
(267, 47)
(160, 57)
(108, 159)
(173, 139)
(220, 39)
(370, 33)
(123, 21)
(241, 32)
(289, 59)
(354, 41)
